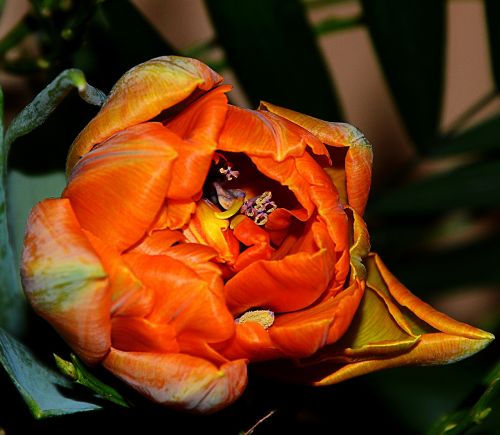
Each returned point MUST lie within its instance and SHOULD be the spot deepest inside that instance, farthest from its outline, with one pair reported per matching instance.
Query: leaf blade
(412, 59)
(282, 64)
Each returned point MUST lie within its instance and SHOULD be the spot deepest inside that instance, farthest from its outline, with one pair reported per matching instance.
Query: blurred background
(419, 78)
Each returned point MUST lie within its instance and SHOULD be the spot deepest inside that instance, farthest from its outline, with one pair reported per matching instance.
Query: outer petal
(357, 167)
(140, 95)
(64, 280)
(180, 381)
(392, 328)
(263, 134)
(117, 189)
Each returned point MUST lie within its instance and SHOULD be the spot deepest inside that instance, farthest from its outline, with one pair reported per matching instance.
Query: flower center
(264, 318)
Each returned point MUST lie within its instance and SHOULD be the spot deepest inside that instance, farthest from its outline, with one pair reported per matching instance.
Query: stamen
(229, 173)
(259, 208)
(230, 212)
(265, 318)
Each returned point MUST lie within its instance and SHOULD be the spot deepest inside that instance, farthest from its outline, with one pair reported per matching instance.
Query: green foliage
(274, 53)
(409, 39)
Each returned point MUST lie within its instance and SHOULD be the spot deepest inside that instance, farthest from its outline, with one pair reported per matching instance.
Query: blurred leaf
(409, 37)
(36, 113)
(76, 371)
(335, 24)
(480, 138)
(428, 272)
(474, 185)
(274, 53)
(46, 392)
(460, 421)
(119, 38)
(23, 192)
(492, 9)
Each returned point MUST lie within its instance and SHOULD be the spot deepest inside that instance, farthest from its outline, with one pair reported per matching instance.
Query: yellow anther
(264, 318)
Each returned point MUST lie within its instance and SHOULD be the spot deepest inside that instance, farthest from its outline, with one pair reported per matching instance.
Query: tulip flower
(195, 237)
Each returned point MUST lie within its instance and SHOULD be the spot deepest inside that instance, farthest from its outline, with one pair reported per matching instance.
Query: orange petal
(64, 279)
(141, 94)
(118, 188)
(174, 214)
(252, 342)
(158, 242)
(289, 284)
(302, 333)
(263, 134)
(250, 234)
(180, 381)
(183, 299)
(129, 297)
(313, 188)
(359, 158)
(136, 334)
(199, 125)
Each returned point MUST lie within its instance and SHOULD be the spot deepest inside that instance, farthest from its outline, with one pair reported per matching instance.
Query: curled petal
(64, 279)
(179, 380)
(183, 298)
(141, 94)
(302, 333)
(263, 134)
(357, 167)
(118, 188)
(289, 284)
(391, 328)
(199, 126)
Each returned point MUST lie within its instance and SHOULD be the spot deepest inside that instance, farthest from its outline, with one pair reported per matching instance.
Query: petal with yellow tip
(141, 94)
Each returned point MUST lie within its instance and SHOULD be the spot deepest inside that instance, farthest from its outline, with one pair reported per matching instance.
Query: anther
(229, 173)
(259, 208)
(264, 318)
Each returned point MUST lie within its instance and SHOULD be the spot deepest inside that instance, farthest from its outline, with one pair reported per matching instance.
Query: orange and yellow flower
(195, 237)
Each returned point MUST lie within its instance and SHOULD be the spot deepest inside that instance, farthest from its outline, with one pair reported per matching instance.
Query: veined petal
(289, 284)
(136, 334)
(252, 342)
(431, 349)
(129, 296)
(314, 189)
(141, 94)
(180, 381)
(359, 157)
(64, 279)
(302, 333)
(199, 125)
(183, 299)
(117, 189)
(263, 134)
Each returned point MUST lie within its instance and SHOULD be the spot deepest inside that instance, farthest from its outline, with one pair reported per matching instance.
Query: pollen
(259, 207)
(264, 318)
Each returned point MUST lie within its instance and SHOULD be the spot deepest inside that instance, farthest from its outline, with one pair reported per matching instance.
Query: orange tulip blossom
(195, 237)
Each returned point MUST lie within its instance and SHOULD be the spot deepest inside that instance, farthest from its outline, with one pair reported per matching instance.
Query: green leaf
(35, 113)
(76, 371)
(462, 420)
(46, 392)
(409, 37)
(274, 53)
(120, 38)
(493, 18)
(336, 24)
(474, 185)
(23, 192)
(12, 306)
(480, 138)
